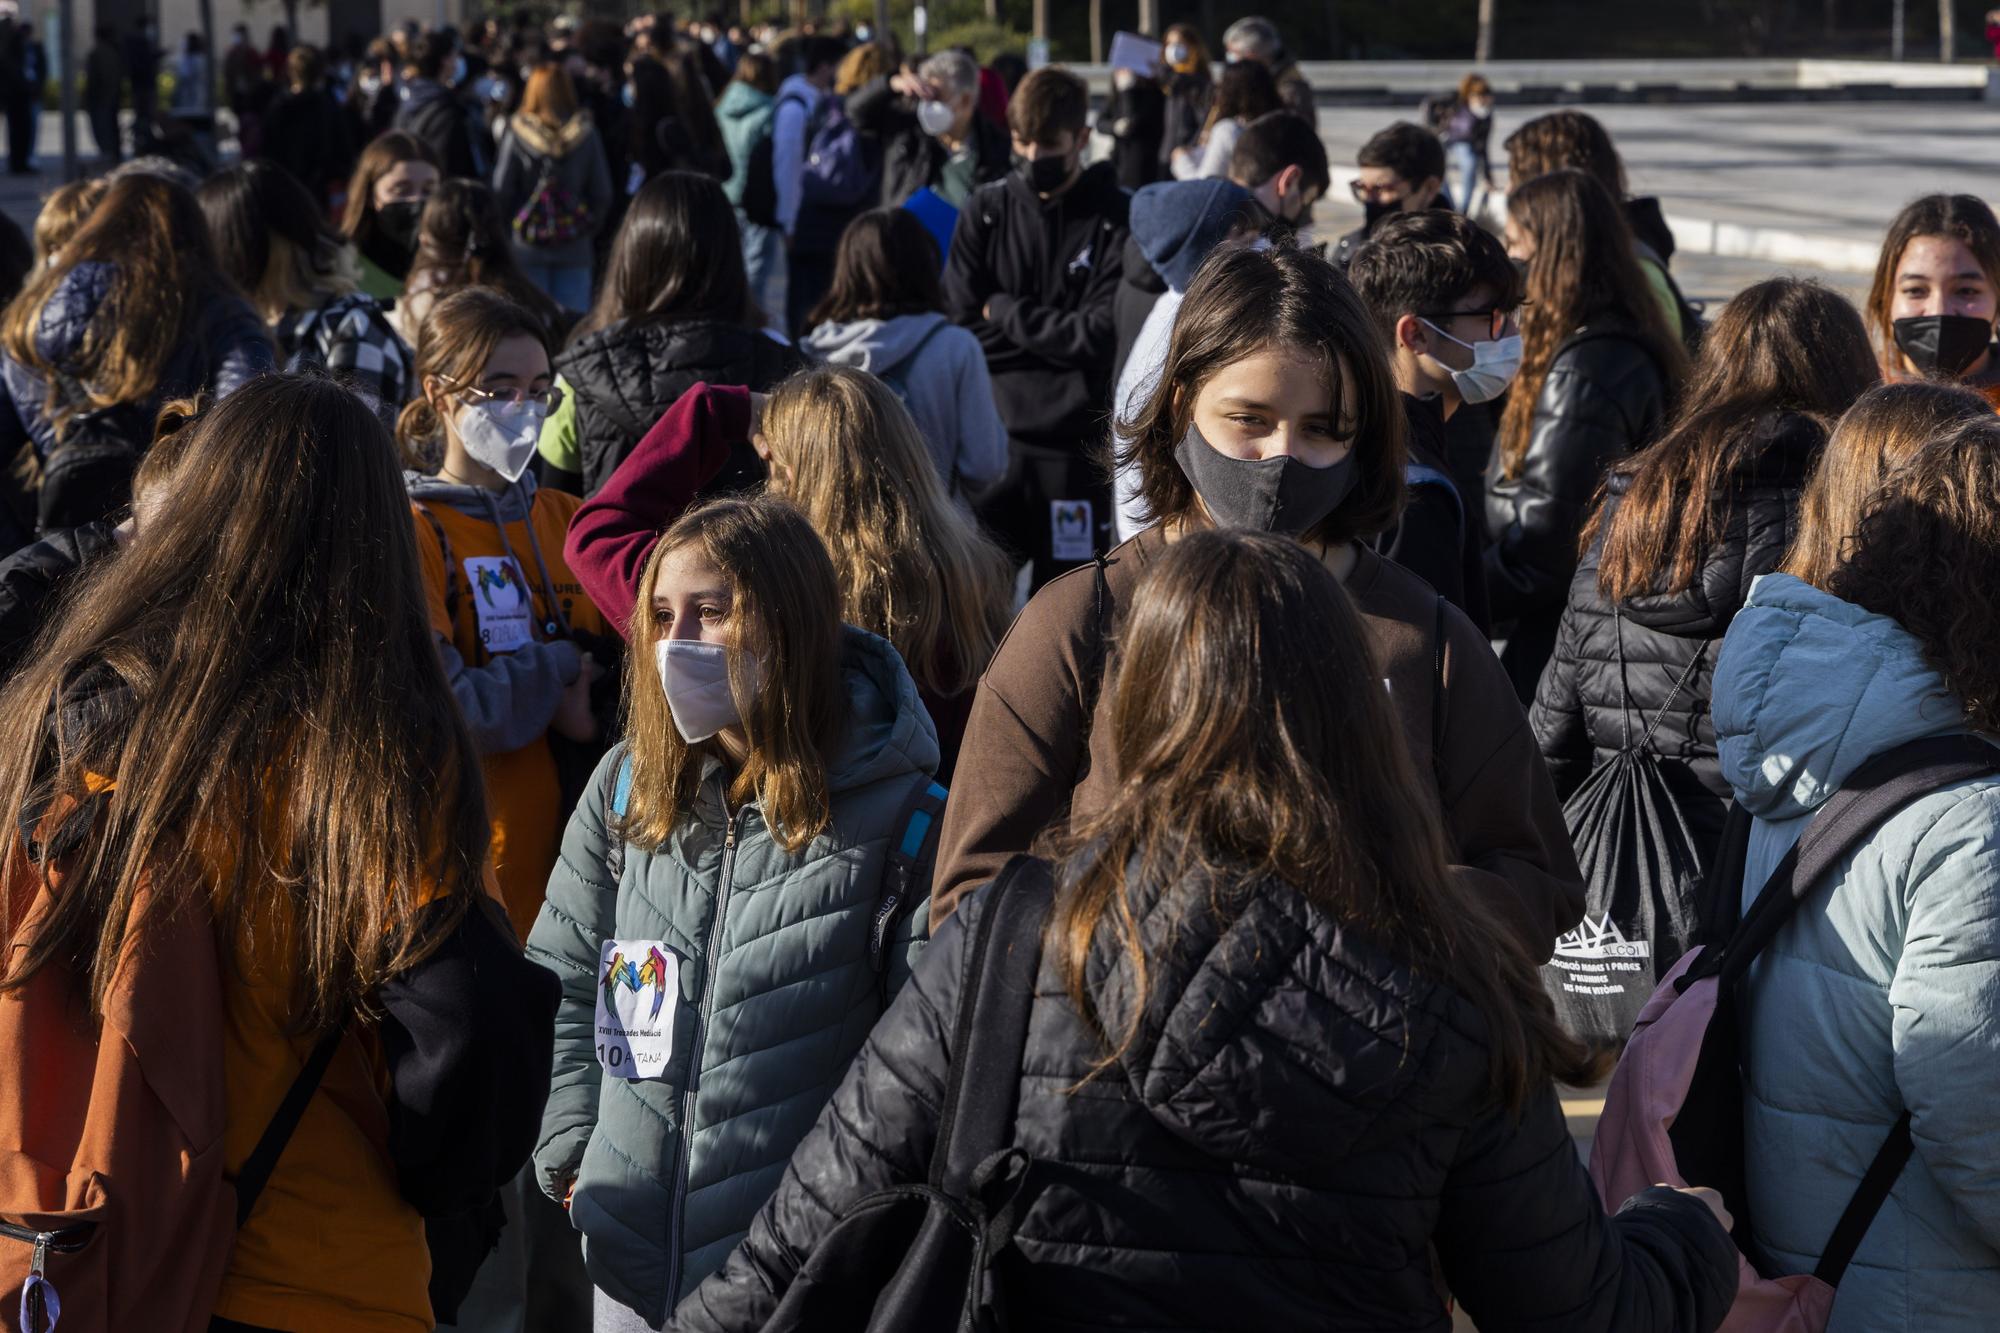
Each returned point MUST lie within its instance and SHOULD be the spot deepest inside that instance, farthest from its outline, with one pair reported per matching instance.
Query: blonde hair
(1885, 428)
(458, 338)
(782, 600)
(63, 212)
(911, 567)
(862, 66)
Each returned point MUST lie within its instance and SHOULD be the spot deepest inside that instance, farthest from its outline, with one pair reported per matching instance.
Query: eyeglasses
(1386, 194)
(1496, 319)
(550, 398)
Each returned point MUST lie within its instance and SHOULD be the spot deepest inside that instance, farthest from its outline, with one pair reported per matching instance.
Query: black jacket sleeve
(1526, 1245)
(30, 577)
(1557, 714)
(1603, 398)
(878, 1131)
(1429, 542)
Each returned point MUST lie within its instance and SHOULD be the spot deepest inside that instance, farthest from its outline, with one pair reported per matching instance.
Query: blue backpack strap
(621, 797)
(1422, 474)
(913, 849)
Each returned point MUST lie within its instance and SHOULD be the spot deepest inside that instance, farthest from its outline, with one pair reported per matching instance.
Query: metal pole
(66, 62)
(1896, 29)
(1947, 31)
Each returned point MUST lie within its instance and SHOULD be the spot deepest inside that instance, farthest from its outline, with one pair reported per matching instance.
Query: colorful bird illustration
(654, 974)
(611, 977)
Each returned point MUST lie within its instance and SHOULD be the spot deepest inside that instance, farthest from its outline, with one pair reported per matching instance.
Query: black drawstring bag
(1642, 880)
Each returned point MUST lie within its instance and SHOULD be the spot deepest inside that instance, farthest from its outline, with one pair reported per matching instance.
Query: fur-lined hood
(536, 136)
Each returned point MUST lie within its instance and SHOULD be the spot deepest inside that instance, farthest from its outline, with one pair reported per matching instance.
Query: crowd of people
(576, 615)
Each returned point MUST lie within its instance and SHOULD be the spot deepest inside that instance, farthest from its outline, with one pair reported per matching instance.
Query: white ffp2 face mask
(501, 435)
(695, 676)
(935, 117)
(1494, 365)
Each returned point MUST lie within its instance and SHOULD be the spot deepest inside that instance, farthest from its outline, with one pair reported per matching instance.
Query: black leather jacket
(1604, 396)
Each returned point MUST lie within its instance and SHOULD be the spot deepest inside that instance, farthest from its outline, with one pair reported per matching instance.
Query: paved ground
(1812, 183)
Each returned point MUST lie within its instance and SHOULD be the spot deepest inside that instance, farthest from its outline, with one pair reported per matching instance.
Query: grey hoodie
(511, 700)
(940, 373)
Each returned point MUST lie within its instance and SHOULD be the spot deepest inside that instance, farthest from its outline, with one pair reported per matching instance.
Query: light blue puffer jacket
(777, 993)
(1883, 993)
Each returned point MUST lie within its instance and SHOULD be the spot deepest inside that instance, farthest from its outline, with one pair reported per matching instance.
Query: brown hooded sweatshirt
(1030, 753)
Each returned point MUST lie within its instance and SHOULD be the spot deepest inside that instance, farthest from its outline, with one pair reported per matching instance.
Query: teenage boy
(1401, 171)
(1034, 266)
(1445, 295)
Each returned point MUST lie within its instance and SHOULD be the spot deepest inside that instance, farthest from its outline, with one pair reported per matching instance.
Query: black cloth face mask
(1280, 495)
(1943, 344)
(1045, 175)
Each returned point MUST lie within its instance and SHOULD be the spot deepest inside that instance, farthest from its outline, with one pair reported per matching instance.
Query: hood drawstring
(558, 626)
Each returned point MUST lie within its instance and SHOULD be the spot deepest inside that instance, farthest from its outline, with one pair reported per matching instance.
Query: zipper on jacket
(709, 962)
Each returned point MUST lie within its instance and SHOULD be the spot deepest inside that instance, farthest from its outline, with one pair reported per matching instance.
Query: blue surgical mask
(627, 96)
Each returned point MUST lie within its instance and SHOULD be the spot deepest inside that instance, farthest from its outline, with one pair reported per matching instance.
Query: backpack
(913, 851)
(88, 475)
(1642, 876)
(841, 167)
(113, 1208)
(1692, 314)
(552, 216)
(1674, 1110)
(922, 1258)
(760, 186)
(897, 376)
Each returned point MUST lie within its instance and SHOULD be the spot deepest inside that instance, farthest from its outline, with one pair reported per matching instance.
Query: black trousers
(1052, 509)
(20, 134)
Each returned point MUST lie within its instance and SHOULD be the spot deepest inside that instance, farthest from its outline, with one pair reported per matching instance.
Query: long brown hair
(911, 567)
(1245, 92)
(1236, 767)
(1583, 270)
(887, 265)
(459, 337)
(152, 234)
(1960, 217)
(255, 676)
(383, 155)
(1565, 141)
(1240, 302)
(1927, 555)
(549, 97)
(782, 609)
(677, 257)
(1784, 345)
(1884, 428)
(463, 241)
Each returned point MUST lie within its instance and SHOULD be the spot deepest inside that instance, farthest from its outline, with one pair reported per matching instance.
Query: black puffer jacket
(1604, 396)
(626, 376)
(1298, 1121)
(1581, 714)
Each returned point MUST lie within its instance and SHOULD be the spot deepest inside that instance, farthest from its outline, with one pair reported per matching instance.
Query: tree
(1096, 32)
(1947, 31)
(1482, 50)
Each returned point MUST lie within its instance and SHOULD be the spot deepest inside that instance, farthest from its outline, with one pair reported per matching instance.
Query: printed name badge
(500, 600)
(638, 988)
(1071, 535)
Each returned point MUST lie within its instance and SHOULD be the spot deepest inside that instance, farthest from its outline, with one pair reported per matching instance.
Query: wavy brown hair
(783, 609)
(677, 256)
(1785, 345)
(1240, 302)
(887, 265)
(1584, 270)
(1927, 555)
(1960, 217)
(1885, 427)
(254, 675)
(152, 235)
(1236, 768)
(911, 567)
(1565, 141)
(463, 241)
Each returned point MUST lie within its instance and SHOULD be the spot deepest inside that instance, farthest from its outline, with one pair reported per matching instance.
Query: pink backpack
(1674, 1110)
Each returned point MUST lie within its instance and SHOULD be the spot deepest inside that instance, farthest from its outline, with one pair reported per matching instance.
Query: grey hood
(873, 345)
(514, 504)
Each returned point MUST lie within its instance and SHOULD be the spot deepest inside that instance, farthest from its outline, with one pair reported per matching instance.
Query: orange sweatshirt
(494, 610)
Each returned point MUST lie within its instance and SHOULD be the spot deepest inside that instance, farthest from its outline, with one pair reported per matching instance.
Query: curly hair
(1928, 557)
(1566, 140)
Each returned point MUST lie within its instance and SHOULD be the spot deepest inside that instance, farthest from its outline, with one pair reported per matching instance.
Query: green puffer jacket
(778, 989)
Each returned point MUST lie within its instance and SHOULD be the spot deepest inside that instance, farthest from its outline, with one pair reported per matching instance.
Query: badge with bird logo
(637, 992)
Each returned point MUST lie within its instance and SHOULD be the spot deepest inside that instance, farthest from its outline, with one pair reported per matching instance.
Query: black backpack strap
(1875, 791)
(915, 845)
(1869, 1196)
(263, 1159)
(992, 1028)
(1437, 696)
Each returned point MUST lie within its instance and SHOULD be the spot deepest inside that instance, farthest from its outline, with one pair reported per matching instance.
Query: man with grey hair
(932, 135)
(1257, 39)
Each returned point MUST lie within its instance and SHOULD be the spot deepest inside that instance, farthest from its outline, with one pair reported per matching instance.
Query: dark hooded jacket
(1047, 270)
(1586, 708)
(911, 159)
(1299, 1130)
(447, 125)
(626, 375)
